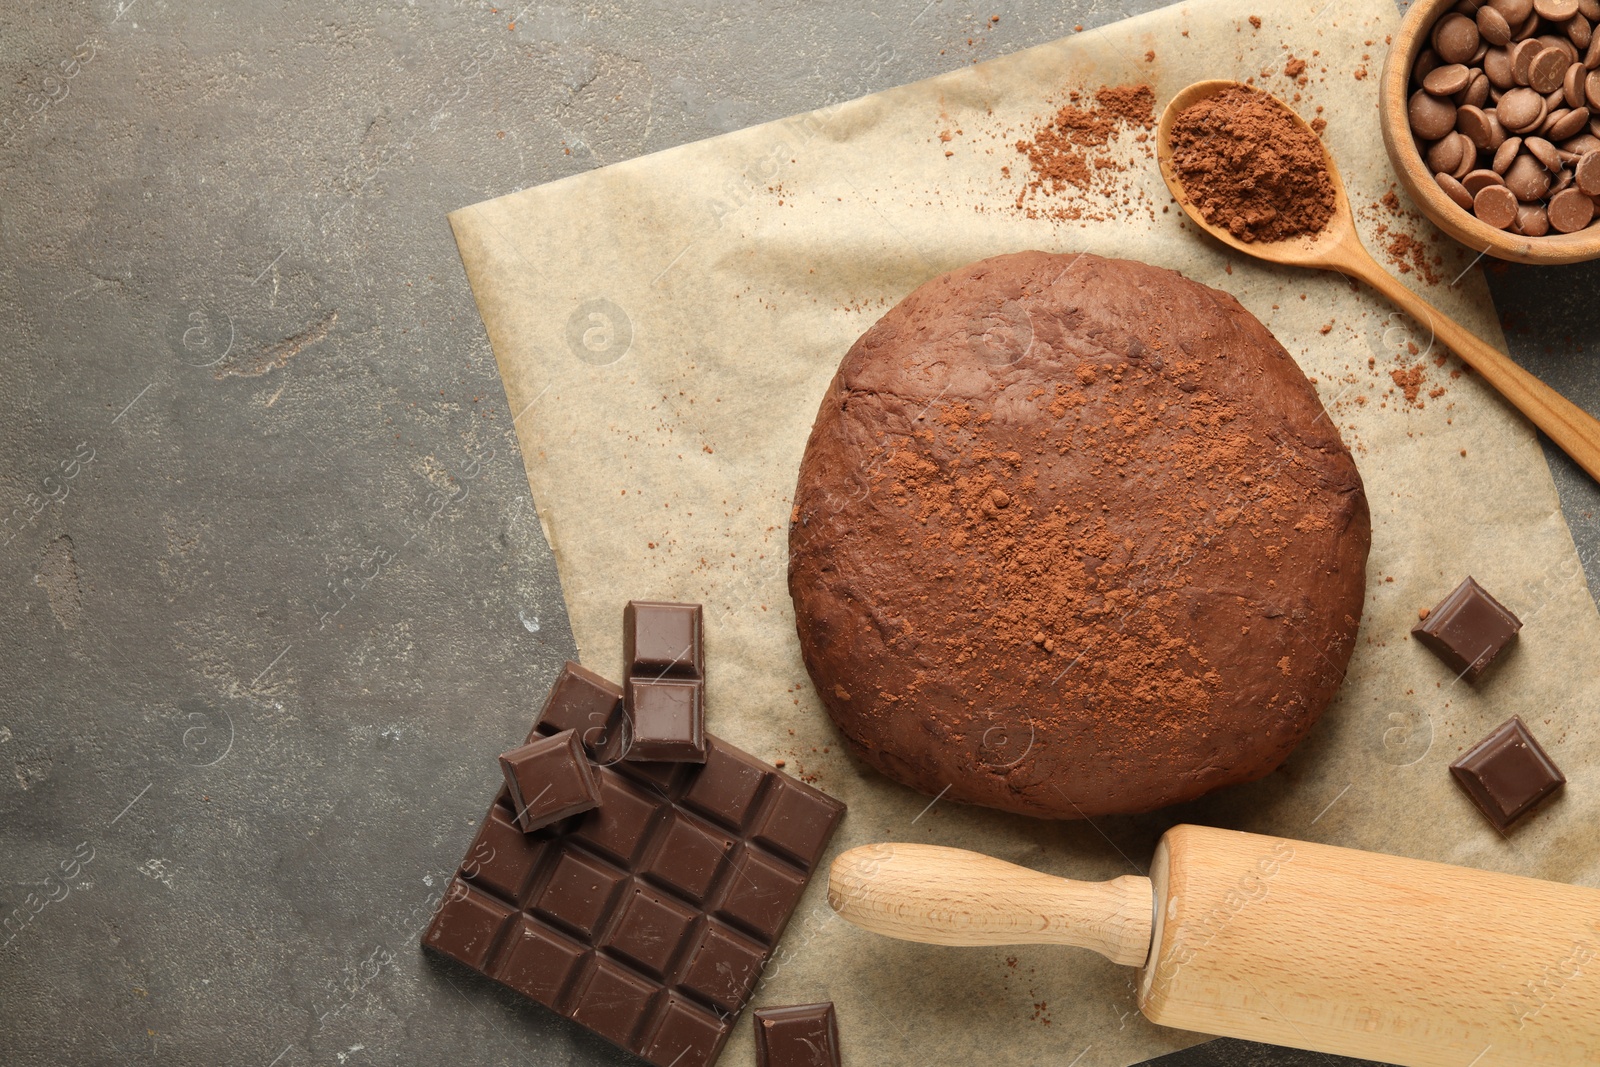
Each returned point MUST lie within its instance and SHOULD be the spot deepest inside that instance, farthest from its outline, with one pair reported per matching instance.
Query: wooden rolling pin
(1297, 944)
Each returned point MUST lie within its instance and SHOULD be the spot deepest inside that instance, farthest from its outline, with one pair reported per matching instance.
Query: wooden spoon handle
(1575, 431)
(948, 896)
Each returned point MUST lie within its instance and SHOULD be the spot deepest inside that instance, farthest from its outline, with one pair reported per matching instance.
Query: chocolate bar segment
(663, 640)
(649, 918)
(664, 657)
(549, 779)
(805, 1035)
(1468, 630)
(1507, 774)
(666, 720)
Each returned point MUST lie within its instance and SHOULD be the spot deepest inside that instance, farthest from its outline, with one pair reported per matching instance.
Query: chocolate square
(790, 824)
(760, 894)
(467, 924)
(690, 856)
(727, 787)
(650, 929)
(579, 892)
(618, 826)
(662, 640)
(1507, 774)
(549, 780)
(502, 857)
(666, 720)
(613, 1001)
(688, 1035)
(538, 961)
(722, 967)
(1468, 630)
(580, 700)
(805, 1035)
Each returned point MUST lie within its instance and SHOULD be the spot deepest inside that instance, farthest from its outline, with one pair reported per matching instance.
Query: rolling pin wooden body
(1311, 946)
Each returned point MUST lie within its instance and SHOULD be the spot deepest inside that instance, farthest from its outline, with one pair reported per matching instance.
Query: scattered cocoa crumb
(1072, 152)
(1295, 67)
(1422, 613)
(1361, 74)
(1255, 21)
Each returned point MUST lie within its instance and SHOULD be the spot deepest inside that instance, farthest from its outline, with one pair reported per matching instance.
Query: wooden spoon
(1336, 247)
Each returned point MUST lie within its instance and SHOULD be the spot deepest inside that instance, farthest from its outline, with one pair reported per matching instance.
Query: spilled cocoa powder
(1072, 150)
(1250, 168)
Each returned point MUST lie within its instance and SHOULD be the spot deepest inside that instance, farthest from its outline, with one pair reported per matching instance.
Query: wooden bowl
(1418, 183)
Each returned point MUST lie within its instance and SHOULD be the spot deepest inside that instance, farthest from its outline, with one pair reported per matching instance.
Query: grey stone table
(274, 590)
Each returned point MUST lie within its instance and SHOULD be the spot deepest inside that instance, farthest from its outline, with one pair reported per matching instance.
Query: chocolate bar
(664, 656)
(549, 779)
(1507, 774)
(805, 1035)
(1468, 630)
(650, 918)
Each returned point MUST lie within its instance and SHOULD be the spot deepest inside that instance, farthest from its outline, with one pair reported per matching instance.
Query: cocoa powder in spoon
(1251, 168)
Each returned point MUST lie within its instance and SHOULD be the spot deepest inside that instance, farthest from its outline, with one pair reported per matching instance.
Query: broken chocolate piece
(661, 640)
(805, 1035)
(1468, 630)
(549, 779)
(1507, 774)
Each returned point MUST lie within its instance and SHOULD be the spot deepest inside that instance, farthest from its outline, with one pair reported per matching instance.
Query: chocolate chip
(1497, 66)
(1572, 87)
(1516, 12)
(1477, 91)
(1427, 63)
(1570, 211)
(1587, 173)
(1591, 89)
(1556, 10)
(1494, 204)
(1493, 26)
(1521, 58)
(1503, 155)
(1519, 110)
(1478, 180)
(1445, 154)
(1475, 124)
(1547, 69)
(1544, 152)
(1456, 38)
(1531, 220)
(1580, 31)
(1526, 178)
(1455, 191)
(1431, 117)
(1568, 125)
(1447, 80)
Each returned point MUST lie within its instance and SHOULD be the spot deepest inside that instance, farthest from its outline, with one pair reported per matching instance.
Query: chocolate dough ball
(1073, 537)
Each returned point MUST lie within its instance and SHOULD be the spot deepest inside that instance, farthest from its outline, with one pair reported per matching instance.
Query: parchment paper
(665, 328)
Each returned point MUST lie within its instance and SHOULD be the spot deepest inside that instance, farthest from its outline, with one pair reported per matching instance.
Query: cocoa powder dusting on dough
(1060, 522)
(1250, 168)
